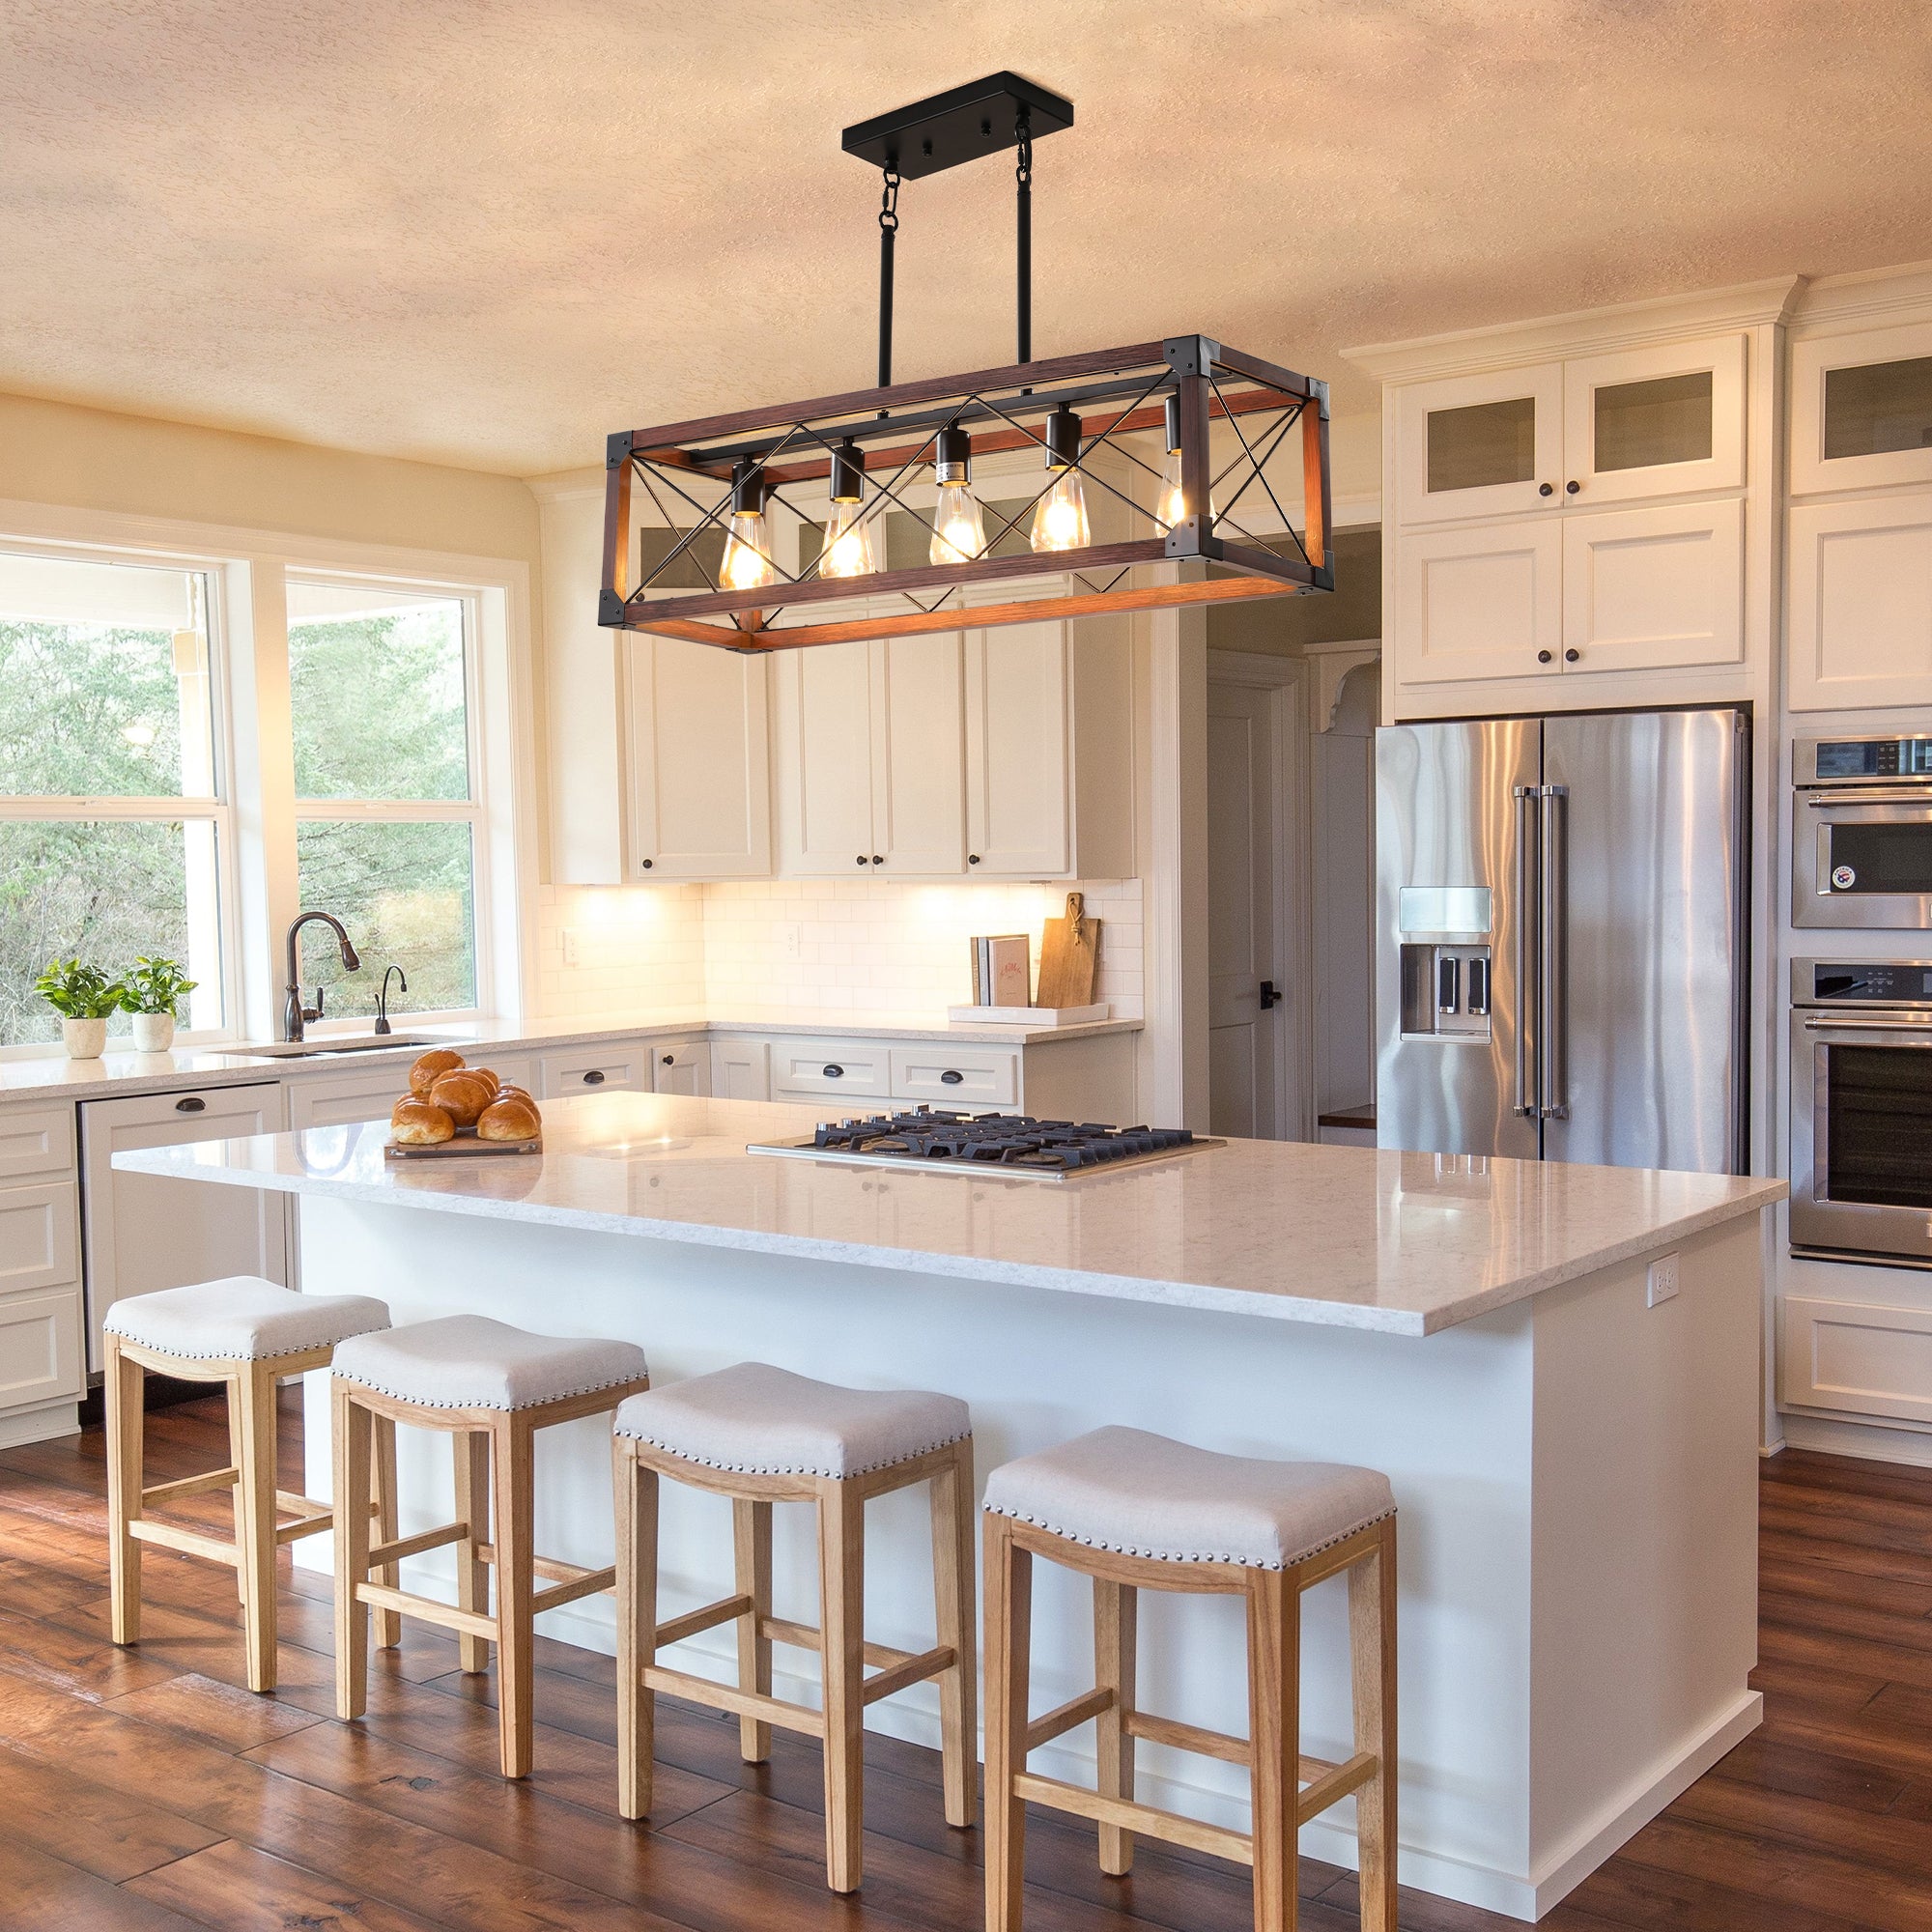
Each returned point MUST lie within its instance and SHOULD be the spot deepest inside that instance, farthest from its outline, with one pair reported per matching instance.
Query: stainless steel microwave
(1862, 833)
(1862, 1109)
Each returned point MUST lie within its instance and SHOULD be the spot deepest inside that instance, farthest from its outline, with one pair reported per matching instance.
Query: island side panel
(1447, 1416)
(1646, 1543)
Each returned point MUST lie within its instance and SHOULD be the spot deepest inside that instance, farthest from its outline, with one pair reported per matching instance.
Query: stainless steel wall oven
(1862, 833)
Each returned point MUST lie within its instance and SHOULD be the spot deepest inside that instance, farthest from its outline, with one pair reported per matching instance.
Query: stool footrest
(188, 1486)
(1194, 1738)
(190, 1541)
(1068, 1717)
(585, 1583)
(383, 1597)
(807, 1637)
(914, 1671)
(1334, 1783)
(304, 1525)
(1127, 1815)
(552, 1567)
(709, 1617)
(380, 1554)
(727, 1698)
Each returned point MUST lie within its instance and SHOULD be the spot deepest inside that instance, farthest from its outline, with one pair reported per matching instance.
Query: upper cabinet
(1862, 409)
(1484, 446)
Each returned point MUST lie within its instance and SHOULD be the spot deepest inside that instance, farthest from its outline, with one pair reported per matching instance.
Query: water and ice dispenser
(1446, 982)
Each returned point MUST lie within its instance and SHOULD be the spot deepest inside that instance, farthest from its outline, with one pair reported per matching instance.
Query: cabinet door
(1661, 420)
(825, 761)
(345, 1098)
(1489, 445)
(1479, 603)
(698, 751)
(1862, 409)
(37, 1243)
(1654, 587)
(1860, 607)
(1017, 814)
(681, 1066)
(919, 754)
(741, 1069)
(40, 1348)
(142, 1232)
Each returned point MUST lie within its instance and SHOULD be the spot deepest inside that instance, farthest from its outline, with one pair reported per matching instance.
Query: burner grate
(996, 1140)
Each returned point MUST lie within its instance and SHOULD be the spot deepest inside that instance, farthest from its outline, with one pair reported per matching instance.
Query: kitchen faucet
(296, 1015)
(382, 998)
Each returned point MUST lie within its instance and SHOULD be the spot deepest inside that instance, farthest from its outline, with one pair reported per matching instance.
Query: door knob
(1543, 656)
(878, 859)
(670, 1059)
(1546, 489)
(860, 860)
(971, 858)
(1571, 488)
(1572, 656)
(1270, 995)
(645, 864)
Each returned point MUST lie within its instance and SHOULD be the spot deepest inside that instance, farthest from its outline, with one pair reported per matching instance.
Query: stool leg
(637, 1491)
(1116, 1654)
(514, 1508)
(751, 1563)
(123, 1399)
(1372, 1593)
(251, 1395)
(842, 1597)
(952, 1491)
(469, 1450)
(1274, 1723)
(389, 1631)
(350, 1426)
(235, 1396)
(1009, 1666)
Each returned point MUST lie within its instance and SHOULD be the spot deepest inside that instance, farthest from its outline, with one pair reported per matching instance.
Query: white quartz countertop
(126, 1073)
(1345, 1237)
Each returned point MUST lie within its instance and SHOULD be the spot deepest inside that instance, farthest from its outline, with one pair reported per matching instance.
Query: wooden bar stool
(490, 1388)
(760, 1434)
(1135, 1511)
(246, 1334)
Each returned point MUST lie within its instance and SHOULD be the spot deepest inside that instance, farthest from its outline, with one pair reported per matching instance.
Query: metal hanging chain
(889, 228)
(1023, 176)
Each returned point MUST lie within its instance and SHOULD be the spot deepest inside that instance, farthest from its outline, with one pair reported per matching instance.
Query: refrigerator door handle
(1528, 950)
(1554, 920)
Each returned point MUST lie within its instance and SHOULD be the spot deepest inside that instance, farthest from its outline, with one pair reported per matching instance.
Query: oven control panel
(1861, 983)
(1862, 761)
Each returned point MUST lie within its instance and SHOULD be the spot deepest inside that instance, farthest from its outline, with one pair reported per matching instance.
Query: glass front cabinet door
(1862, 409)
(1488, 445)
(1663, 420)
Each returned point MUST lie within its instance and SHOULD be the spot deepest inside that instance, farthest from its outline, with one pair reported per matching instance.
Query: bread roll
(510, 1091)
(418, 1124)
(462, 1096)
(430, 1067)
(514, 1118)
(490, 1074)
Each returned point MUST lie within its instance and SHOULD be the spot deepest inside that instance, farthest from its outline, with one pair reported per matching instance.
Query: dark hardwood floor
(147, 1790)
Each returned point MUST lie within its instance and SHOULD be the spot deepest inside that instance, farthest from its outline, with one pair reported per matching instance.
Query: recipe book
(1003, 971)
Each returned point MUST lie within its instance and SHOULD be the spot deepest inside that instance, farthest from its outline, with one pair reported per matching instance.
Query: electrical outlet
(570, 947)
(794, 940)
(1661, 1282)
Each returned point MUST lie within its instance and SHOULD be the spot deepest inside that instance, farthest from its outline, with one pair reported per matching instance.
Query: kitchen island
(1572, 1433)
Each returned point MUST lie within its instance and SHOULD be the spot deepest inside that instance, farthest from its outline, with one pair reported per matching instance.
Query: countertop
(1344, 1237)
(128, 1073)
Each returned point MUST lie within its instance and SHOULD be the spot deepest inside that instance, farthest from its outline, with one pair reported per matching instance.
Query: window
(388, 819)
(114, 827)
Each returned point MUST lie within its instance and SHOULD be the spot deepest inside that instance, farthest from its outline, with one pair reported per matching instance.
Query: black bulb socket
(848, 472)
(1063, 439)
(748, 488)
(953, 456)
(1173, 408)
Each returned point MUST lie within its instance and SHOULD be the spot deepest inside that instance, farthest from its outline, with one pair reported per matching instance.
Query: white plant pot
(154, 1033)
(83, 1039)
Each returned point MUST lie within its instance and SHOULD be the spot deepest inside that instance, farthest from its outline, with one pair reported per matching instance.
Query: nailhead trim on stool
(240, 1318)
(469, 1361)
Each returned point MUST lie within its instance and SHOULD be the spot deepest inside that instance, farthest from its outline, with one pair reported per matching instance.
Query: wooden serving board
(466, 1145)
(1068, 955)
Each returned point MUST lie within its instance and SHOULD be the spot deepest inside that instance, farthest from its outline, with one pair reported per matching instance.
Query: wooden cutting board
(1068, 955)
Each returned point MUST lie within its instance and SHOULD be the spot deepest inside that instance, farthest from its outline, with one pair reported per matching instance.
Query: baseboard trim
(45, 1423)
(1870, 1442)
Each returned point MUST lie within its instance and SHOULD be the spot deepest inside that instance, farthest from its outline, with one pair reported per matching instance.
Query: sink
(345, 1043)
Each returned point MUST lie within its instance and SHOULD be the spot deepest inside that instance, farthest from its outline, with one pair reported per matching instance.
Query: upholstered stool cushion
(469, 1361)
(240, 1318)
(1141, 1494)
(759, 1420)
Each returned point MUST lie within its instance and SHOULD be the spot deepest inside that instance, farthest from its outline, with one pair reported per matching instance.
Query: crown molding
(1468, 352)
(1872, 296)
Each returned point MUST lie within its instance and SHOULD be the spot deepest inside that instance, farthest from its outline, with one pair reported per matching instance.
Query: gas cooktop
(983, 1144)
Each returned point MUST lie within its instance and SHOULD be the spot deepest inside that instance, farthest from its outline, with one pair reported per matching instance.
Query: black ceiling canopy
(958, 126)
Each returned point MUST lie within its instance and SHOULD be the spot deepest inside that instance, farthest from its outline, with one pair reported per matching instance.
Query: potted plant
(83, 996)
(153, 993)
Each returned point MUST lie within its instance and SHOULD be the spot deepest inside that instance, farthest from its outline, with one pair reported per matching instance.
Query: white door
(143, 1233)
(823, 701)
(741, 1069)
(698, 750)
(1656, 421)
(919, 754)
(1489, 445)
(1645, 589)
(1479, 603)
(1244, 1020)
(1017, 814)
(681, 1066)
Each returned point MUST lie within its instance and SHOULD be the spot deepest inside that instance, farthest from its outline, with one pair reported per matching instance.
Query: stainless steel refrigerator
(1562, 933)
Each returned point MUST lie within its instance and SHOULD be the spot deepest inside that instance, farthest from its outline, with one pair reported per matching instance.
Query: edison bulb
(959, 529)
(1172, 507)
(1060, 523)
(747, 563)
(851, 542)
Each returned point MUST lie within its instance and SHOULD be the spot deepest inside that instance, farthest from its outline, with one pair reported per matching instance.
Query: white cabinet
(1018, 812)
(36, 1140)
(339, 1099)
(939, 1073)
(596, 1067)
(824, 760)
(698, 761)
(1479, 445)
(40, 1357)
(1862, 409)
(1860, 612)
(681, 1066)
(919, 789)
(142, 1232)
(741, 1069)
(1480, 602)
(41, 1351)
(839, 1070)
(38, 1236)
(1647, 588)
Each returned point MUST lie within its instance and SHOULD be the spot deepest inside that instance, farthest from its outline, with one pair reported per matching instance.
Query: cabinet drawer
(39, 1236)
(956, 1076)
(596, 1069)
(36, 1140)
(39, 1348)
(1857, 1358)
(839, 1069)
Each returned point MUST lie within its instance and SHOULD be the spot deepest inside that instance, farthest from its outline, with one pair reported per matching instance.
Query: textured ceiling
(487, 233)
